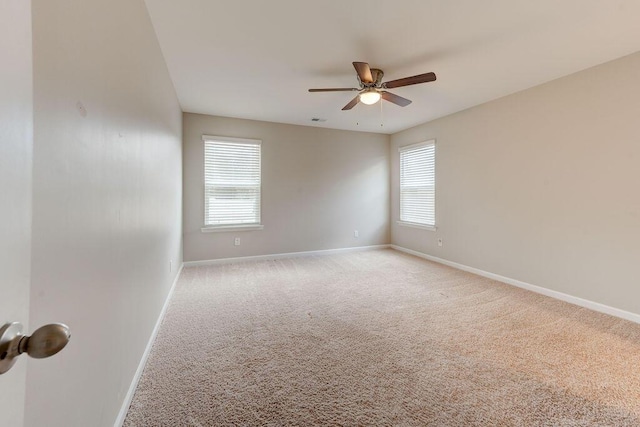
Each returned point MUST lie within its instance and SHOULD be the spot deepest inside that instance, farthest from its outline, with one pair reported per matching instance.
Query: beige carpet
(380, 338)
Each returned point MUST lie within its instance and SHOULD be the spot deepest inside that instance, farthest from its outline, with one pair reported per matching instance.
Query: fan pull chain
(381, 114)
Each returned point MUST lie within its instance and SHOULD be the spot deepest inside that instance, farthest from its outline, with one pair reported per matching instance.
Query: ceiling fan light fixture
(372, 90)
(370, 97)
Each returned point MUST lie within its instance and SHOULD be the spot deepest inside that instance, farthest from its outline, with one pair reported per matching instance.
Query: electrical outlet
(236, 242)
(355, 233)
(439, 241)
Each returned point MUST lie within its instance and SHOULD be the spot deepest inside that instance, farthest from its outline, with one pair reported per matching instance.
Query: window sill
(223, 228)
(420, 226)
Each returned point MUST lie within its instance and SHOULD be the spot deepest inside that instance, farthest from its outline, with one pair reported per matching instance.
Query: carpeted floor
(380, 338)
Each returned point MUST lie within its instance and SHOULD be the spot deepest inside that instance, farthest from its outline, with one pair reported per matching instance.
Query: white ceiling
(256, 59)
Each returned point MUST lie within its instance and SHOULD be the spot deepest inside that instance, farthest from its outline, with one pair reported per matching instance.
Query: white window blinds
(418, 184)
(231, 181)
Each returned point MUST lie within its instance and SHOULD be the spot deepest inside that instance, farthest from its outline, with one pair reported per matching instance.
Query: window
(418, 185)
(231, 183)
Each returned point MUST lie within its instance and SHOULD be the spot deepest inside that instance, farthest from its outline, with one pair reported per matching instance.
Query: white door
(16, 141)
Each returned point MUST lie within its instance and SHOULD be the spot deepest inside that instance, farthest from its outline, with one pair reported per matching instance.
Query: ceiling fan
(371, 88)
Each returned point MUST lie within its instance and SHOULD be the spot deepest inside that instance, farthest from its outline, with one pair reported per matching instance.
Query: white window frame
(404, 222)
(207, 228)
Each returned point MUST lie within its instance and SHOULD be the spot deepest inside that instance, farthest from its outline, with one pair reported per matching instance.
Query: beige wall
(16, 143)
(106, 202)
(318, 186)
(542, 186)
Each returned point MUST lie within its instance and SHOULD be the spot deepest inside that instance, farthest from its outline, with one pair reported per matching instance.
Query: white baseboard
(537, 289)
(143, 361)
(280, 256)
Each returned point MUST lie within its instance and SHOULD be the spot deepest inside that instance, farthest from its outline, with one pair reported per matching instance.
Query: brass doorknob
(44, 342)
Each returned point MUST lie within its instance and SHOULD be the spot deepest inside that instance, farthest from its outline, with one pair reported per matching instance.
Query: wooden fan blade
(413, 80)
(334, 89)
(398, 100)
(364, 72)
(352, 104)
